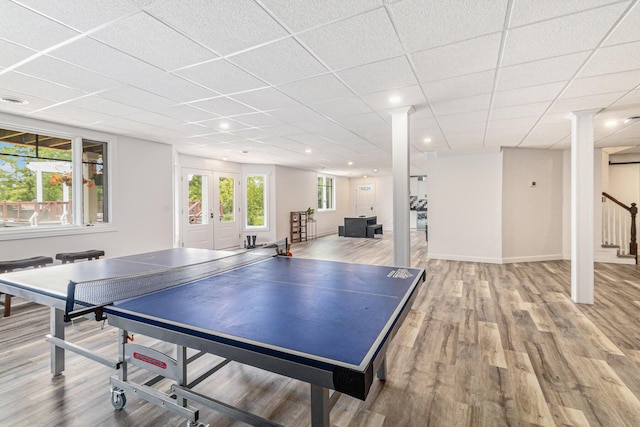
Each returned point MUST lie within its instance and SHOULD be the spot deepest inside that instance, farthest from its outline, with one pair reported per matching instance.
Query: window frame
(77, 226)
(265, 178)
(324, 178)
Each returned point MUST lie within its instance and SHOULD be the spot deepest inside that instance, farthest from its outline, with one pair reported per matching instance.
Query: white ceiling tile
(105, 106)
(623, 57)
(504, 137)
(222, 106)
(226, 26)
(34, 102)
(297, 116)
(266, 99)
(18, 23)
(37, 87)
(175, 88)
(585, 103)
(342, 107)
(560, 36)
(459, 87)
(518, 111)
(461, 105)
(66, 74)
(616, 82)
(12, 53)
(459, 140)
(259, 119)
(155, 119)
(223, 125)
(83, 15)
(528, 11)
(301, 14)
(185, 112)
(424, 25)
(383, 101)
(138, 98)
(471, 56)
(631, 98)
(316, 89)
(279, 62)
(104, 60)
(150, 40)
(561, 68)
(527, 95)
(221, 76)
(628, 30)
(362, 39)
(378, 76)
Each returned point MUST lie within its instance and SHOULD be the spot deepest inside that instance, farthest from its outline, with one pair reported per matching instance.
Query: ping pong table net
(86, 297)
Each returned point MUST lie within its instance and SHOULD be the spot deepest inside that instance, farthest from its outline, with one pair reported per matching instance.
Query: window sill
(20, 233)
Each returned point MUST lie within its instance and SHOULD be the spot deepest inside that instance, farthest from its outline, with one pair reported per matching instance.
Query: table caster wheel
(118, 399)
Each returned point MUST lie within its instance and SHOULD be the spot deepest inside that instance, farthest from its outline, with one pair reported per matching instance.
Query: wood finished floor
(484, 345)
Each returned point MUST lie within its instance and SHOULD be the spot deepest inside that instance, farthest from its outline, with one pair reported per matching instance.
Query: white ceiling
(308, 83)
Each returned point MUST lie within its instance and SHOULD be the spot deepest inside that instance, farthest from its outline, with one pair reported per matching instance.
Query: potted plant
(310, 212)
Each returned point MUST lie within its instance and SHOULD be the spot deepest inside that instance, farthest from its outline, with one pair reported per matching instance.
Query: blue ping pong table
(322, 322)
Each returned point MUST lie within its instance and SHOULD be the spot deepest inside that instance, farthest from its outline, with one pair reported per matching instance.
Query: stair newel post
(633, 244)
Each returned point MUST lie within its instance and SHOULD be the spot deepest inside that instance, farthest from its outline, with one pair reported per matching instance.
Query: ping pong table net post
(89, 297)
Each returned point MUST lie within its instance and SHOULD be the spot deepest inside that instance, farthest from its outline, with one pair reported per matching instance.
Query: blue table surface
(327, 311)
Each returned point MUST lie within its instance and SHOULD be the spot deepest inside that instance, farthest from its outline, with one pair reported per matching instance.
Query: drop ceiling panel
(279, 62)
(613, 59)
(54, 70)
(362, 39)
(225, 26)
(221, 76)
(302, 14)
(138, 98)
(383, 102)
(222, 106)
(616, 82)
(561, 36)
(152, 41)
(628, 30)
(530, 11)
(336, 109)
(18, 23)
(585, 102)
(104, 60)
(518, 111)
(36, 87)
(423, 25)
(379, 76)
(266, 99)
(175, 88)
(259, 119)
(459, 87)
(12, 53)
(316, 89)
(534, 73)
(83, 15)
(462, 105)
(457, 59)
(528, 95)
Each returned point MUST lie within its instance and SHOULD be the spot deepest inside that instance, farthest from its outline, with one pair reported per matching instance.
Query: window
(43, 184)
(256, 191)
(326, 193)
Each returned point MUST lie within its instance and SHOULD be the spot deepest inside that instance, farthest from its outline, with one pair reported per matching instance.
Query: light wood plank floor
(485, 345)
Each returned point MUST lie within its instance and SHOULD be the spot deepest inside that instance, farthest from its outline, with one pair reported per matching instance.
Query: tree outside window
(256, 196)
(326, 193)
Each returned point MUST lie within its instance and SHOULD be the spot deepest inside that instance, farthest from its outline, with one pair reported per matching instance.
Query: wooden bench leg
(7, 305)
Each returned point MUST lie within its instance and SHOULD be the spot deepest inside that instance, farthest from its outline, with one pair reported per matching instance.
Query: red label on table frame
(150, 360)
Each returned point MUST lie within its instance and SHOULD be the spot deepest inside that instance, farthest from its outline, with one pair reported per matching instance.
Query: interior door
(195, 217)
(227, 215)
(365, 200)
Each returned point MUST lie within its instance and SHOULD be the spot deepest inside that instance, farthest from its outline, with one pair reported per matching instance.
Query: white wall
(532, 216)
(465, 206)
(141, 193)
(624, 180)
(383, 199)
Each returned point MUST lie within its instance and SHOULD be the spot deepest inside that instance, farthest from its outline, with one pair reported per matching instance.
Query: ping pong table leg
(182, 371)
(382, 370)
(320, 408)
(56, 322)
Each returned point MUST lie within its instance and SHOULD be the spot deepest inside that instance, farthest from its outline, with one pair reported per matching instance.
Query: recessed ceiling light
(611, 123)
(225, 158)
(427, 140)
(395, 99)
(223, 125)
(350, 163)
(13, 100)
(375, 170)
(308, 150)
(364, 176)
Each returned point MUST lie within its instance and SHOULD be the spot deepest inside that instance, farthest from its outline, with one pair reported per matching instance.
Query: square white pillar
(400, 162)
(582, 206)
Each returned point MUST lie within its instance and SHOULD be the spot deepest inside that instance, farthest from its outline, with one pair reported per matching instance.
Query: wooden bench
(66, 257)
(374, 229)
(7, 266)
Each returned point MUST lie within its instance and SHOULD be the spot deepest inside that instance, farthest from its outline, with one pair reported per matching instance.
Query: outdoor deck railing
(23, 213)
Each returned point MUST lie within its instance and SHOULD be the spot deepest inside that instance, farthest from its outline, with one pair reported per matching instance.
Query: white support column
(400, 152)
(582, 206)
